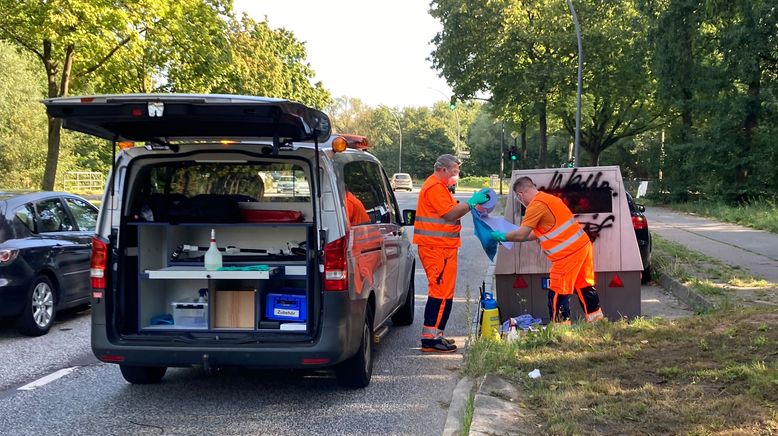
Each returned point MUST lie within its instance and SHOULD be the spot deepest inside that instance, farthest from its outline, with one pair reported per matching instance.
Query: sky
(373, 50)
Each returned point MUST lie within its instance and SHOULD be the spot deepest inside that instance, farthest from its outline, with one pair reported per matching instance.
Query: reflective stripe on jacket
(430, 227)
(567, 236)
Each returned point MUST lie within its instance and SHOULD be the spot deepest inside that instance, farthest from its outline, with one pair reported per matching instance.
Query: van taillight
(336, 265)
(639, 222)
(98, 263)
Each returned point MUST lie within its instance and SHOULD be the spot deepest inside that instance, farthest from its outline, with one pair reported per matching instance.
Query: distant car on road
(401, 181)
(45, 244)
(640, 225)
(285, 184)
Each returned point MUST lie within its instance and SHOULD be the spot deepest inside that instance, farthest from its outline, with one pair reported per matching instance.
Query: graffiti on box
(590, 199)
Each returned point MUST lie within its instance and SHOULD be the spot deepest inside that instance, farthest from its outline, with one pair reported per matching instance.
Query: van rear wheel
(358, 369)
(143, 375)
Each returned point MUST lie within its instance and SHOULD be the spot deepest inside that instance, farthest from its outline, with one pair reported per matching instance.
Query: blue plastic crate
(287, 306)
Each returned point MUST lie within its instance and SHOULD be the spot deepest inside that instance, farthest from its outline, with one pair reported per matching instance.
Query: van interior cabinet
(263, 286)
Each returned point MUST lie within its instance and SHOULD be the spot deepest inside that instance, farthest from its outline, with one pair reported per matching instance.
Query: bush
(474, 182)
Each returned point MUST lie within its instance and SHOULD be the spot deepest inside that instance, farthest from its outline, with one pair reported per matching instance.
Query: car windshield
(402, 177)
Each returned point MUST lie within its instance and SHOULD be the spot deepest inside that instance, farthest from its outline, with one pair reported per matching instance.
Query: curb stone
(456, 410)
(685, 294)
(496, 411)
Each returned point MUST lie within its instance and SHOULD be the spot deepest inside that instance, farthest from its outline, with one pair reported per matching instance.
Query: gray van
(301, 286)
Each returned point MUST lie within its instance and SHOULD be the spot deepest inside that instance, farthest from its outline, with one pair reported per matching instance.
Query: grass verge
(707, 374)
(468, 418)
(713, 373)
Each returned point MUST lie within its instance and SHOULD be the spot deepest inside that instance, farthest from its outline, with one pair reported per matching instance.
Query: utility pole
(502, 153)
(580, 81)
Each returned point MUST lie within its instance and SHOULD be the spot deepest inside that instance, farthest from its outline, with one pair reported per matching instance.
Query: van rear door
(165, 117)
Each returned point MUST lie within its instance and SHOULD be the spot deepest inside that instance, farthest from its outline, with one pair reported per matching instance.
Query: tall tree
(271, 63)
(618, 101)
(75, 39)
(508, 48)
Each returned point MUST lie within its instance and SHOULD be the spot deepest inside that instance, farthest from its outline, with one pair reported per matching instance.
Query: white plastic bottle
(213, 258)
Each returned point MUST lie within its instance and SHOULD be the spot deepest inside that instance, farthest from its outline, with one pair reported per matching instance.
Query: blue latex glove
(498, 236)
(478, 197)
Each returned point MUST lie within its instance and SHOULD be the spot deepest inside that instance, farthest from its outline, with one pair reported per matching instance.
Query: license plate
(545, 283)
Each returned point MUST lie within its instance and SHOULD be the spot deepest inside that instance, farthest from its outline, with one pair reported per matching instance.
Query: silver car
(402, 181)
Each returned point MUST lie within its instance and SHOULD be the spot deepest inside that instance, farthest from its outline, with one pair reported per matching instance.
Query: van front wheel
(143, 375)
(404, 315)
(357, 370)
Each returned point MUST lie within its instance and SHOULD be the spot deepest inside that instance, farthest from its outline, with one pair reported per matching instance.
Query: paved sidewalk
(755, 251)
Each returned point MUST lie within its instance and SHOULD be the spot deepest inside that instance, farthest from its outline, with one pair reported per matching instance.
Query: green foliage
(270, 63)
(484, 142)
(715, 65)
(474, 182)
(99, 46)
(22, 122)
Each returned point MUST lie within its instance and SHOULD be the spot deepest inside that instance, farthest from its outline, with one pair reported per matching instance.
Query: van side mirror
(641, 207)
(409, 217)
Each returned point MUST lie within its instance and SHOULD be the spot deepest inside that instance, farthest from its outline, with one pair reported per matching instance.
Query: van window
(252, 181)
(367, 182)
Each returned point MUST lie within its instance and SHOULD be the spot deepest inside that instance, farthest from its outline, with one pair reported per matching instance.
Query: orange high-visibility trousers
(574, 273)
(440, 265)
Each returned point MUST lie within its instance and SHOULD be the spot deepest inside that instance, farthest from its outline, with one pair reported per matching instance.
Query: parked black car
(45, 245)
(640, 224)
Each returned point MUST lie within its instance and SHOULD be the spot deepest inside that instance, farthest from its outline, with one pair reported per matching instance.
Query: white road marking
(47, 379)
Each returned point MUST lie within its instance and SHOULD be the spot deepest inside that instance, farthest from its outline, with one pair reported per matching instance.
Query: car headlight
(8, 255)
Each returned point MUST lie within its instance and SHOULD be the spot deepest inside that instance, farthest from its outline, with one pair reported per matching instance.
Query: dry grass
(725, 285)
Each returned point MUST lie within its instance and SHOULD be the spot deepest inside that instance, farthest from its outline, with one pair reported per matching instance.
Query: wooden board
(234, 309)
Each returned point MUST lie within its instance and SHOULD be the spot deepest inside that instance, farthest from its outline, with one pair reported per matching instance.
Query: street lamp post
(580, 81)
(400, 157)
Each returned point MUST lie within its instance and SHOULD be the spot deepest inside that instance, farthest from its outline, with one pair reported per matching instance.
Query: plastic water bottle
(213, 258)
(490, 317)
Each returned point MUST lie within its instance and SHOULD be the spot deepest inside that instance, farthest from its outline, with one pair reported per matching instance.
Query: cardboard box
(234, 309)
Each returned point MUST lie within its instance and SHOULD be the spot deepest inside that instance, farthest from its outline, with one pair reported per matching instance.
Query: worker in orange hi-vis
(436, 232)
(566, 245)
(355, 210)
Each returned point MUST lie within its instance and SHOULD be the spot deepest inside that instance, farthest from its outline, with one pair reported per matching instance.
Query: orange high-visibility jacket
(430, 228)
(566, 236)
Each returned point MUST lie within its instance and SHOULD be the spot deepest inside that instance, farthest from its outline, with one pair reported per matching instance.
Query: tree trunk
(55, 124)
(543, 128)
(52, 155)
(750, 124)
(594, 158)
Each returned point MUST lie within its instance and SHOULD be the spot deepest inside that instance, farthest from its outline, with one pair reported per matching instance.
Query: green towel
(245, 268)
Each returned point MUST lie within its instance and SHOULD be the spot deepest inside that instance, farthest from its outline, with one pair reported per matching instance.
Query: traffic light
(513, 154)
(452, 106)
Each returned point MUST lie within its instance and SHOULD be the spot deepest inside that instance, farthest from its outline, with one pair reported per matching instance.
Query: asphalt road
(73, 393)
(409, 392)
